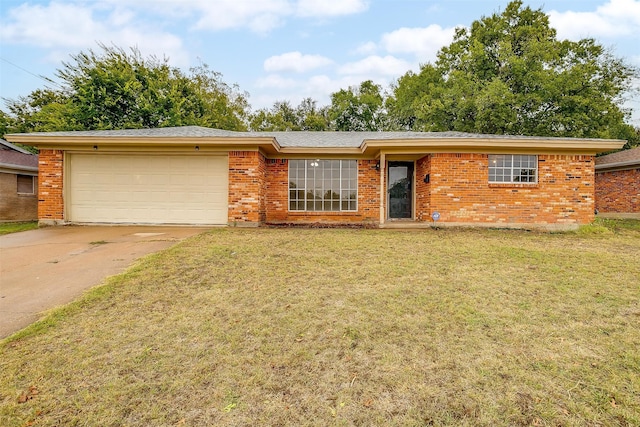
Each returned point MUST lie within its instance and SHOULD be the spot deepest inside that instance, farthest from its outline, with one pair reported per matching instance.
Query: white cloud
(424, 43)
(318, 87)
(275, 81)
(260, 16)
(614, 18)
(325, 8)
(377, 66)
(49, 27)
(295, 62)
(368, 48)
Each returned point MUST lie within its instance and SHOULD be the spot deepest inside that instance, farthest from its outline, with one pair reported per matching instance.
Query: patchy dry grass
(345, 327)
(15, 227)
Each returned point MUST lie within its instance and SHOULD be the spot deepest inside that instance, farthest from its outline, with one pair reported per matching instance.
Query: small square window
(26, 184)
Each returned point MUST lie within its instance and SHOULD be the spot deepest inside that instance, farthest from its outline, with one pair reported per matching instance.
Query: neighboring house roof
(6, 145)
(16, 162)
(627, 159)
(302, 142)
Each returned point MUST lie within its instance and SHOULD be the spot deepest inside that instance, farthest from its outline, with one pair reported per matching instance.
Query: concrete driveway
(41, 269)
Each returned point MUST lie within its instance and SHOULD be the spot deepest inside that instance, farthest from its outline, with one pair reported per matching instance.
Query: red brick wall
(50, 179)
(277, 200)
(460, 191)
(423, 189)
(618, 191)
(277, 190)
(247, 187)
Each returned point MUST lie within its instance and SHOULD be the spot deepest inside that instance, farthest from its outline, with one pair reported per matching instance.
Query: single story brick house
(18, 183)
(618, 184)
(196, 175)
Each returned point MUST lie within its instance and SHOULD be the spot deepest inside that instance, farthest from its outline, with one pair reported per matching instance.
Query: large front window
(516, 168)
(323, 185)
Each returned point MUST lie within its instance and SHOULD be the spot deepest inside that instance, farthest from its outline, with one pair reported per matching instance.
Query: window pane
(325, 184)
(25, 184)
(512, 168)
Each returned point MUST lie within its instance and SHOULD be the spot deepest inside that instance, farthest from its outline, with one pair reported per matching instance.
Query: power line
(46, 79)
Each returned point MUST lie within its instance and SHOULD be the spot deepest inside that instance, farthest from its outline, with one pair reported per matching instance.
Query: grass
(345, 327)
(15, 227)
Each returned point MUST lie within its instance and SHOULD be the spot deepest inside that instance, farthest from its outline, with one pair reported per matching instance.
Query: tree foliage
(42, 110)
(358, 108)
(627, 132)
(283, 117)
(6, 123)
(114, 89)
(509, 74)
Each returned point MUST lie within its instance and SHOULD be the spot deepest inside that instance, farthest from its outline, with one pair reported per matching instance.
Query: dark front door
(400, 196)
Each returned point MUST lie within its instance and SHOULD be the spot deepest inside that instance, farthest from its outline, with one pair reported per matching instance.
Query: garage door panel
(148, 189)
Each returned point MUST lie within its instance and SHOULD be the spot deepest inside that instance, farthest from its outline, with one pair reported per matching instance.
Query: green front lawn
(345, 327)
(15, 227)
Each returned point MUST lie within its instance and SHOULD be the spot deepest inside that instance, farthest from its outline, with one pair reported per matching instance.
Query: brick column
(50, 187)
(247, 185)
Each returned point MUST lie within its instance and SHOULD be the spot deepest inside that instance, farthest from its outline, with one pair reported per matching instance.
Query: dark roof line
(13, 147)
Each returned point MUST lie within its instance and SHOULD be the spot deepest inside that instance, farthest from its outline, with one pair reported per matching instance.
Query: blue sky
(280, 49)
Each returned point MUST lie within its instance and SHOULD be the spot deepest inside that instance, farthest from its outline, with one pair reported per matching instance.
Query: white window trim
(328, 212)
(512, 168)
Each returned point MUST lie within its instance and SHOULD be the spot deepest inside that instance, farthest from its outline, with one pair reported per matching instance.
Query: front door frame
(411, 199)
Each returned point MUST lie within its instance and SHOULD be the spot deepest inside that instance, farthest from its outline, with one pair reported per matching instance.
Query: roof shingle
(15, 158)
(626, 156)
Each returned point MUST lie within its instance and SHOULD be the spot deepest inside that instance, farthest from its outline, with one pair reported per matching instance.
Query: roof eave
(493, 145)
(13, 168)
(369, 147)
(13, 147)
(321, 151)
(631, 164)
(267, 144)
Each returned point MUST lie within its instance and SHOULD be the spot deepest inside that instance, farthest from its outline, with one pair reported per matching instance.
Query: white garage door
(147, 189)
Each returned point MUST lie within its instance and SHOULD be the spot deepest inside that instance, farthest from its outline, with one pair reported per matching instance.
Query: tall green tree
(282, 116)
(358, 108)
(629, 133)
(509, 73)
(116, 89)
(6, 123)
(312, 117)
